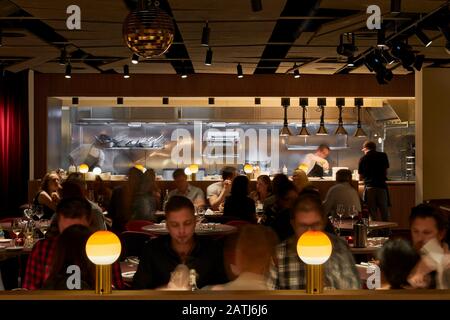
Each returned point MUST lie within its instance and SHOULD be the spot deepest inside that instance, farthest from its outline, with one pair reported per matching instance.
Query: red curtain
(14, 158)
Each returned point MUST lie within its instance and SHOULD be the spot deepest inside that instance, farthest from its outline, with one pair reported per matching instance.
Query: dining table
(201, 229)
(347, 225)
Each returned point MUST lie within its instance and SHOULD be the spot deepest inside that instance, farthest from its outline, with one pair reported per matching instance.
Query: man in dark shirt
(162, 255)
(372, 169)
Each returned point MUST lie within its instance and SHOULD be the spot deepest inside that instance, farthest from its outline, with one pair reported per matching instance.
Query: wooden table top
(374, 225)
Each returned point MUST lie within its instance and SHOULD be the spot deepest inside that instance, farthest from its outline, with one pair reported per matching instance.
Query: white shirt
(311, 159)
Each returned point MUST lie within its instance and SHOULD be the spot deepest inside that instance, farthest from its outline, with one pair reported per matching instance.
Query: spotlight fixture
(347, 49)
(63, 57)
(240, 74)
(208, 58)
(396, 6)
(205, 35)
(68, 73)
(134, 58)
(75, 101)
(387, 56)
(296, 72)
(256, 5)
(126, 71)
(183, 71)
(119, 100)
(322, 102)
(403, 52)
(375, 62)
(359, 102)
(381, 39)
(340, 102)
(350, 61)
(285, 131)
(423, 37)
(303, 130)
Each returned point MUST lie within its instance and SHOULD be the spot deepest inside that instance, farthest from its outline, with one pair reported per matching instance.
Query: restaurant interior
(196, 99)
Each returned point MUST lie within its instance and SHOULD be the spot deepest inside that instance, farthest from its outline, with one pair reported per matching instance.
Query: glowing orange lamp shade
(248, 169)
(83, 168)
(103, 249)
(193, 168)
(314, 247)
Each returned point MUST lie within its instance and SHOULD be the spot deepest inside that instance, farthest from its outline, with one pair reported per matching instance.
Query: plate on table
(5, 240)
(14, 248)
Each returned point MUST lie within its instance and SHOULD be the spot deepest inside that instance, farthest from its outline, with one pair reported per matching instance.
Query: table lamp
(97, 171)
(83, 168)
(188, 171)
(314, 249)
(248, 169)
(140, 167)
(103, 249)
(194, 170)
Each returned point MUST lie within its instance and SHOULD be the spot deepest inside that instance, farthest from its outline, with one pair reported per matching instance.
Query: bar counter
(229, 295)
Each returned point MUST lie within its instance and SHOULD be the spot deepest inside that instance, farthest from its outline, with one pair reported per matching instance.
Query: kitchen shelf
(299, 148)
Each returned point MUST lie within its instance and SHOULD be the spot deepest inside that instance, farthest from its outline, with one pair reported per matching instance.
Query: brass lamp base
(103, 279)
(314, 279)
(193, 176)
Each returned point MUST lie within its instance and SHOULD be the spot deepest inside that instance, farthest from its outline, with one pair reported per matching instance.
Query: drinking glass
(39, 212)
(353, 212)
(340, 211)
(16, 226)
(43, 226)
(200, 214)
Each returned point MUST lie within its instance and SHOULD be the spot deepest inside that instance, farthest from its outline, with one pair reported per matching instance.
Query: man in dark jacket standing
(372, 169)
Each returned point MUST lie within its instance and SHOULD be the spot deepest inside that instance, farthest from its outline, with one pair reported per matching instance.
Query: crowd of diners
(261, 255)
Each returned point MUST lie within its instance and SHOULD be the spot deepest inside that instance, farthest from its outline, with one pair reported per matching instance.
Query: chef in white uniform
(316, 162)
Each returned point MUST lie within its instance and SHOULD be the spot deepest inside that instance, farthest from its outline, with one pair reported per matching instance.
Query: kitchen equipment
(336, 169)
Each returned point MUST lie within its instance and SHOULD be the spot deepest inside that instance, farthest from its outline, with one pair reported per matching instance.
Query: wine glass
(340, 211)
(43, 226)
(39, 212)
(16, 226)
(353, 212)
(200, 214)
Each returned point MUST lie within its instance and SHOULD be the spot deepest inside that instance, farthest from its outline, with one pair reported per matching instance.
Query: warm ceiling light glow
(193, 168)
(126, 71)
(83, 168)
(208, 58)
(97, 170)
(134, 58)
(68, 73)
(314, 247)
(423, 37)
(103, 248)
(240, 73)
(248, 169)
(205, 35)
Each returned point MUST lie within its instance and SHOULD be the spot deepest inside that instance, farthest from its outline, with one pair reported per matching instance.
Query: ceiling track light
(322, 102)
(303, 130)
(419, 62)
(63, 57)
(346, 49)
(351, 61)
(183, 71)
(68, 72)
(208, 58)
(240, 73)
(126, 71)
(134, 58)
(205, 35)
(296, 71)
(340, 102)
(388, 57)
(256, 5)
(423, 37)
(285, 131)
(396, 6)
(359, 102)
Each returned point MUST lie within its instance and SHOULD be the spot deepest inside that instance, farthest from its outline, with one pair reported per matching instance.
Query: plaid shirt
(40, 261)
(289, 272)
